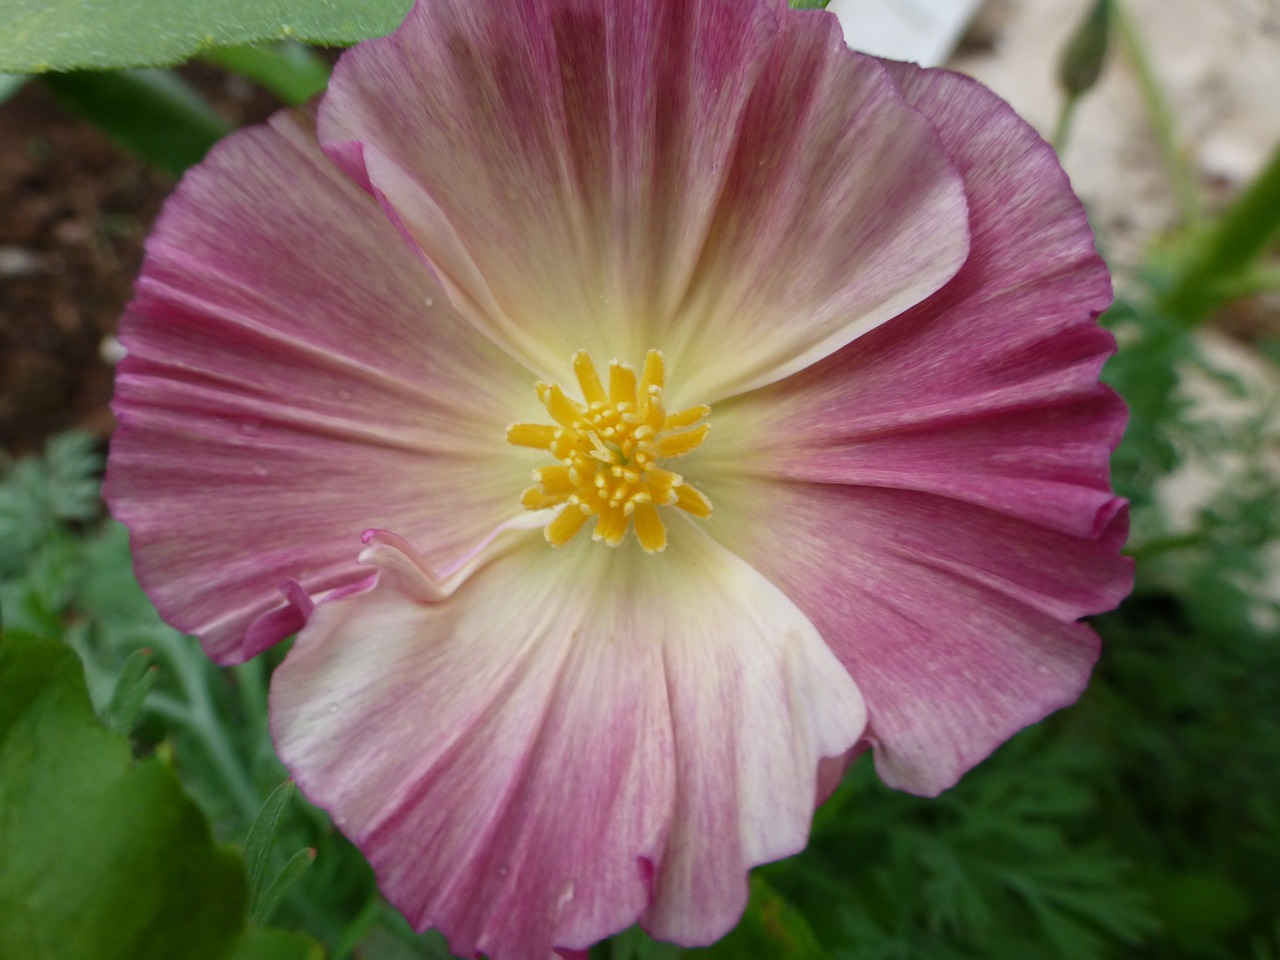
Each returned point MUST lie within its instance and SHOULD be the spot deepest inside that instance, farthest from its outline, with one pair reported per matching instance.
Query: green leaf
(38, 494)
(137, 677)
(151, 112)
(275, 945)
(262, 837)
(1214, 258)
(101, 857)
(289, 70)
(43, 35)
(266, 905)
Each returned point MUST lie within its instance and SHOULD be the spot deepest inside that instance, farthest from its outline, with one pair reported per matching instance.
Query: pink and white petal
(956, 622)
(575, 740)
(936, 495)
(624, 175)
(551, 158)
(840, 210)
(294, 376)
(988, 391)
(758, 702)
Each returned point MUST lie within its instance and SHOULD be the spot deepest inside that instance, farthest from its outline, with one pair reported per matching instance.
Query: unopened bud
(1086, 52)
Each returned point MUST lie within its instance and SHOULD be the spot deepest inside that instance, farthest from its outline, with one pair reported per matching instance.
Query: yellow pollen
(610, 447)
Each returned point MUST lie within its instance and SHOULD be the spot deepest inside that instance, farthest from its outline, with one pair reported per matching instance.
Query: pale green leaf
(43, 35)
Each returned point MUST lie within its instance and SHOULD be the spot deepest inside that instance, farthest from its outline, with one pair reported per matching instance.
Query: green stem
(1160, 114)
(289, 70)
(250, 678)
(202, 722)
(1249, 284)
(1219, 256)
(1168, 543)
(1065, 118)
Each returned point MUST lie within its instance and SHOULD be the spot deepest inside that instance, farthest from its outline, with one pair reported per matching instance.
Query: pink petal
(988, 391)
(936, 495)
(957, 623)
(574, 740)
(295, 376)
(630, 174)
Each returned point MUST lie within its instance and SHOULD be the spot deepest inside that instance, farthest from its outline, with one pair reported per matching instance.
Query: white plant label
(923, 31)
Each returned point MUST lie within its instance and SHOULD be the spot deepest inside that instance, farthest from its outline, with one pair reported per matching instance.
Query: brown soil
(77, 209)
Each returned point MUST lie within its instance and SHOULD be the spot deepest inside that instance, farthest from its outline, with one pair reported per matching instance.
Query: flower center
(610, 449)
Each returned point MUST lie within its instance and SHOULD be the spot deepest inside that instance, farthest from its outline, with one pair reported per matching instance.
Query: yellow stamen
(588, 379)
(610, 448)
(622, 387)
(686, 418)
(650, 530)
(655, 374)
(693, 500)
(678, 444)
(537, 435)
(565, 524)
(555, 480)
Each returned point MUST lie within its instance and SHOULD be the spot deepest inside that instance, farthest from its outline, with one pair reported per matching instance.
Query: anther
(609, 448)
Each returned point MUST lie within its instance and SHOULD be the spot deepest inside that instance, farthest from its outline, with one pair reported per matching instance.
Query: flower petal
(577, 738)
(936, 495)
(294, 376)
(615, 176)
(957, 623)
(988, 391)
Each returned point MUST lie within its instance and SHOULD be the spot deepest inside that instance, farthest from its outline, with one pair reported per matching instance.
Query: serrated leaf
(44, 35)
(101, 857)
(37, 494)
(74, 464)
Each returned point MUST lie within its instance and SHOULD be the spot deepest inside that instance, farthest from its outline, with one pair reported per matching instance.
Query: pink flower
(870, 281)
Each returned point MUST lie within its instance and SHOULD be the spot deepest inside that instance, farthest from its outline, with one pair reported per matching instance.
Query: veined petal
(841, 210)
(956, 622)
(936, 496)
(613, 175)
(294, 376)
(988, 391)
(574, 740)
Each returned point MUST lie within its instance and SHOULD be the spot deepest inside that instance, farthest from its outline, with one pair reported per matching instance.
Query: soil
(77, 210)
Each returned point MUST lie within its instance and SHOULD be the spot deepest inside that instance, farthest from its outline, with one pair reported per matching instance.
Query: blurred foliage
(101, 858)
(153, 113)
(43, 35)
(1143, 822)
